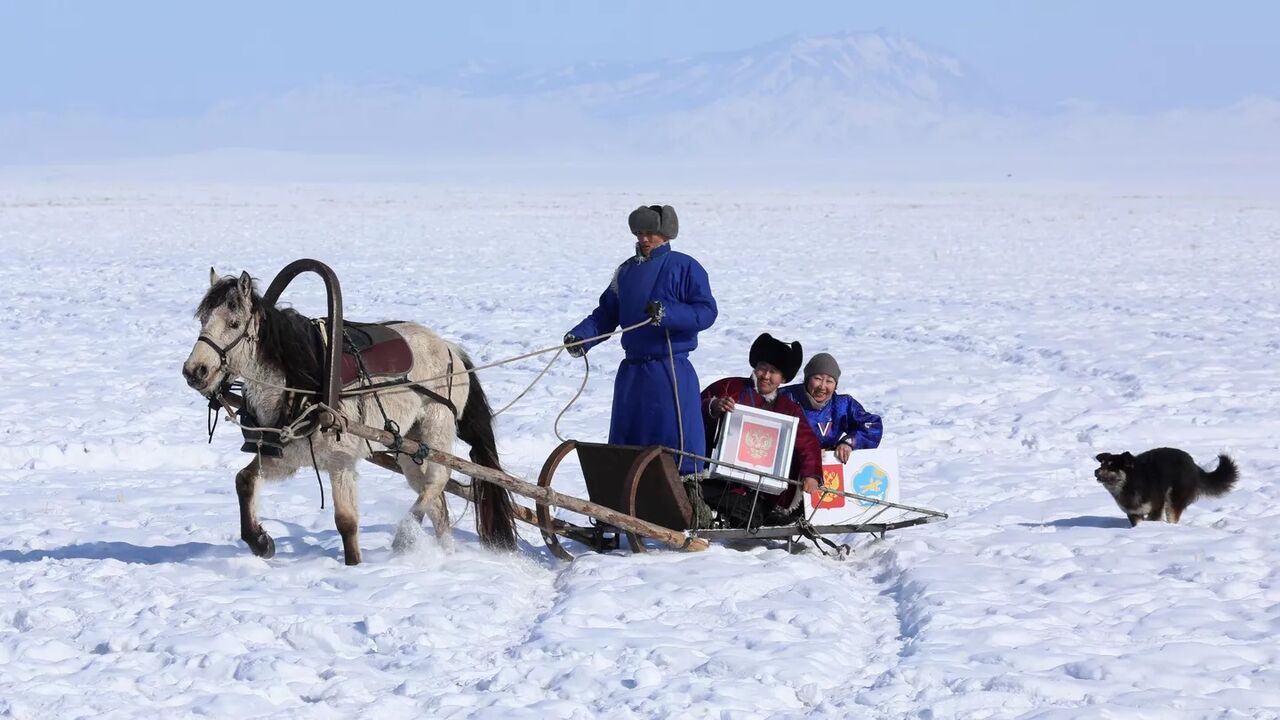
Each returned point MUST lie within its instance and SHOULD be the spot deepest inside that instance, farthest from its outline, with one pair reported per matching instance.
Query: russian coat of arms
(757, 444)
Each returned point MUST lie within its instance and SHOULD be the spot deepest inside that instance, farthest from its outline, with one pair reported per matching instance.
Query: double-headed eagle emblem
(759, 444)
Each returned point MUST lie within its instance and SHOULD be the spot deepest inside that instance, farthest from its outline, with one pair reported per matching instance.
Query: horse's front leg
(346, 515)
(247, 482)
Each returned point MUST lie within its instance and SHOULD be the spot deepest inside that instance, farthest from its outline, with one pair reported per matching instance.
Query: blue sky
(168, 58)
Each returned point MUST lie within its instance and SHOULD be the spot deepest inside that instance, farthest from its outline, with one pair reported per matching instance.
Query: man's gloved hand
(655, 311)
(574, 350)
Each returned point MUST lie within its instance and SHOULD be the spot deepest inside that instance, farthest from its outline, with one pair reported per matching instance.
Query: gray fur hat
(659, 219)
(822, 364)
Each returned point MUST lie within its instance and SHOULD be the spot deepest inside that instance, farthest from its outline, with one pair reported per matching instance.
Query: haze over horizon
(580, 81)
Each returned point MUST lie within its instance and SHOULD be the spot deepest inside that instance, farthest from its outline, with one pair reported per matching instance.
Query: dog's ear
(1127, 458)
(1102, 457)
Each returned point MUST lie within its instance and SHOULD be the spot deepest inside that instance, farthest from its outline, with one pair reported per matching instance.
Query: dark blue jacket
(644, 393)
(842, 419)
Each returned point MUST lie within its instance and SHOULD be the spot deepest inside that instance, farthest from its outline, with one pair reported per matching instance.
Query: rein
(416, 384)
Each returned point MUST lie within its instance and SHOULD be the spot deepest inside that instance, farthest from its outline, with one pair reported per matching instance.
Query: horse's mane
(290, 341)
(286, 338)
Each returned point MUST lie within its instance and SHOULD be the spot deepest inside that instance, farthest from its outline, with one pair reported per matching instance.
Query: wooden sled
(640, 482)
(643, 483)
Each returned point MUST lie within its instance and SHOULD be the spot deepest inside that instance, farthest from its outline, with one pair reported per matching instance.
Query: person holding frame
(773, 362)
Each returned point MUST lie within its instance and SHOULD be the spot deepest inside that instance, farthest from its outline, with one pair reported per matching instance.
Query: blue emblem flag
(871, 481)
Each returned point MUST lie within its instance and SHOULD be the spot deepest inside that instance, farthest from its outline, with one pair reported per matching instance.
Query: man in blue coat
(840, 422)
(652, 405)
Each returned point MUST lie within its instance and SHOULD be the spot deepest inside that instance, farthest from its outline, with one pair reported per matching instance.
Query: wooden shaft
(674, 538)
(522, 513)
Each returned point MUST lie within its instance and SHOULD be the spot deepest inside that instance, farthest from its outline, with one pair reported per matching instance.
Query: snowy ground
(1006, 337)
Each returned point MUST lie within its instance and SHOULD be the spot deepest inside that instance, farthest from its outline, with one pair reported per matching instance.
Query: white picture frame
(759, 441)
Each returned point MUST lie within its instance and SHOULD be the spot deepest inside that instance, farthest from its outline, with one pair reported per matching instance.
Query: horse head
(228, 316)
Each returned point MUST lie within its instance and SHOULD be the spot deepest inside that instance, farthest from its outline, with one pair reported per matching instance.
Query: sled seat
(638, 481)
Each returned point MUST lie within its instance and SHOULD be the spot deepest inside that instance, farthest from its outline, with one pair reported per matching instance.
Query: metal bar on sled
(768, 532)
(676, 539)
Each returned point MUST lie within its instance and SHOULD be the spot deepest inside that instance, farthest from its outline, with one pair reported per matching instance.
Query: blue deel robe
(841, 420)
(644, 407)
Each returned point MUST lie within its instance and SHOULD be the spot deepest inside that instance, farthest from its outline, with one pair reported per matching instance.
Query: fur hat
(785, 357)
(659, 219)
(822, 364)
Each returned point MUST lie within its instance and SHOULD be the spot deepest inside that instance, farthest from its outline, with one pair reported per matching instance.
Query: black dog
(1161, 483)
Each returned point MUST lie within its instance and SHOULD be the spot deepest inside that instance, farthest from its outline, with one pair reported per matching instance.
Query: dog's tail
(1221, 480)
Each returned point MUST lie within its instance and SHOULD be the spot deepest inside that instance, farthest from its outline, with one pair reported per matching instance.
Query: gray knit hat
(822, 364)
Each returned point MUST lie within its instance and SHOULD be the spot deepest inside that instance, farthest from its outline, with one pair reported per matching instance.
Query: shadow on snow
(1096, 521)
(124, 552)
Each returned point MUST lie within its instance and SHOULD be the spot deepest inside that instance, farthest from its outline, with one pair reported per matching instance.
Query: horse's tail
(495, 519)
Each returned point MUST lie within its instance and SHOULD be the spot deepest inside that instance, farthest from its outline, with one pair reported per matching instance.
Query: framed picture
(757, 440)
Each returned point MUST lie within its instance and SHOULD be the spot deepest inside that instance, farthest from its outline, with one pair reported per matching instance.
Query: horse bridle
(223, 351)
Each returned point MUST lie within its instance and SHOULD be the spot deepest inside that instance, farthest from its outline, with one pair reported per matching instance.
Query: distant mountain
(878, 67)
(793, 91)
(864, 78)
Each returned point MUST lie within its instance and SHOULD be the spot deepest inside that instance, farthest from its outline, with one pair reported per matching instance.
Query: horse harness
(370, 351)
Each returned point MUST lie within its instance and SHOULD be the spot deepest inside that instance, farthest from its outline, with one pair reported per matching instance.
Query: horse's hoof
(408, 536)
(262, 545)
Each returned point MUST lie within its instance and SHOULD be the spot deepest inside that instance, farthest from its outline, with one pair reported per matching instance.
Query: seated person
(839, 421)
(773, 362)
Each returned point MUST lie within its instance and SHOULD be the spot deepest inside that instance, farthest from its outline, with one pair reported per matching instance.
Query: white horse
(269, 349)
